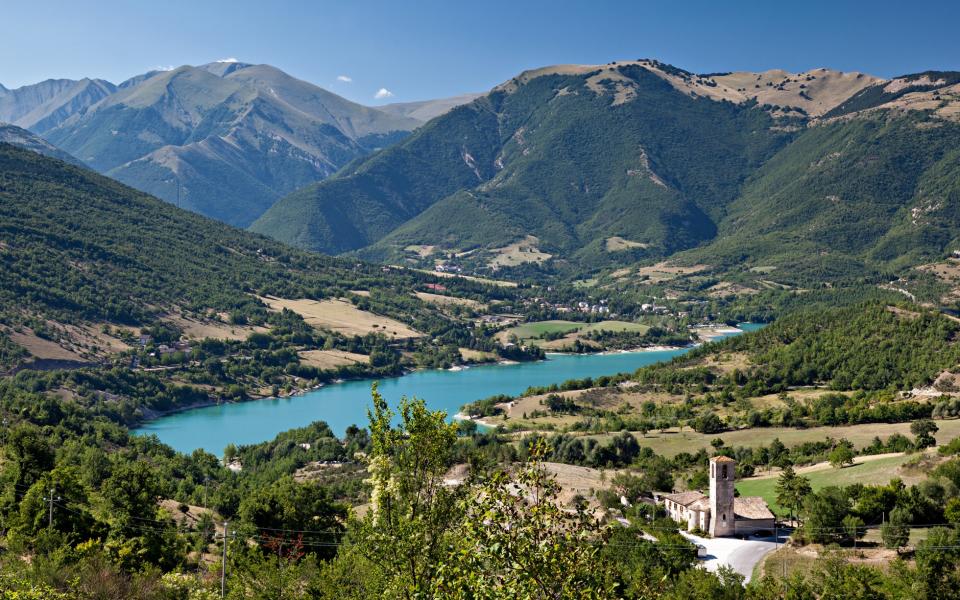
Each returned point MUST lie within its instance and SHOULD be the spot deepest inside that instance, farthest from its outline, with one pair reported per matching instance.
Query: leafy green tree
(791, 490)
(824, 511)
(854, 527)
(937, 559)
(286, 508)
(517, 541)
(70, 517)
(924, 430)
(405, 534)
(841, 455)
(895, 532)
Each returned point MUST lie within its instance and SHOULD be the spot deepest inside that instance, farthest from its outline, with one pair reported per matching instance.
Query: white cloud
(383, 93)
(228, 60)
(162, 68)
(345, 78)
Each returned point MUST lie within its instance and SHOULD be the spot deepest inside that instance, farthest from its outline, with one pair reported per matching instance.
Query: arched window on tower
(724, 471)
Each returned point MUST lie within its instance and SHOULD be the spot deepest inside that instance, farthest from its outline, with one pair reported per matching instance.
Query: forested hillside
(567, 169)
(847, 197)
(572, 159)
(79, 248)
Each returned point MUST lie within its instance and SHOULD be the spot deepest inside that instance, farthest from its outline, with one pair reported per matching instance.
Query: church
(721, 513)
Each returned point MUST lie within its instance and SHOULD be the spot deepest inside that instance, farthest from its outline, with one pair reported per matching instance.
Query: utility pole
(223, 565)
(51, 499)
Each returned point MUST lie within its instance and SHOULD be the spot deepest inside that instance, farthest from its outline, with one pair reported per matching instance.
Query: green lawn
(872, 472)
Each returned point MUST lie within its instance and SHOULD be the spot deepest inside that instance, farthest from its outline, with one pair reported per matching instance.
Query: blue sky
(420, 49)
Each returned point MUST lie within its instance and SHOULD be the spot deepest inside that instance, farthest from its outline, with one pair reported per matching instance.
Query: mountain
(424, 110)
(17, 136)
(881, 190)
(224, 139)
(587, 166)
(82, 255)
(45, 105)
(639, 155)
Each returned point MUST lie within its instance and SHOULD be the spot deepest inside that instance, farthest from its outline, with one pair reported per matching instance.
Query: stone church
(721, 513)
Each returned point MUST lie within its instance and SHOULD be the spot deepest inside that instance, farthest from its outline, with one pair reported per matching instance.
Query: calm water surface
(344, 404)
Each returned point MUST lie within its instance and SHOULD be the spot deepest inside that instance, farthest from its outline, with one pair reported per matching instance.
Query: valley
(258, 339)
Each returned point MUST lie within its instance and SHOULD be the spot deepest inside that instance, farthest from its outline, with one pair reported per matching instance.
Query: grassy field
(866, 471)
(529, 331)
(673, 442)
(343, 317)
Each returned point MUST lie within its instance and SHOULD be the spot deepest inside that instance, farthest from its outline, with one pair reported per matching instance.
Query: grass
(673, 442)
(870, 472)
(342, 317)
(528, 331)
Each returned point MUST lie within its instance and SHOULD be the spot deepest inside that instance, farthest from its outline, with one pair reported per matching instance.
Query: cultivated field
(197, 329)
(342, 317)
(331, 359)
(441, 300)
(517, 253)
(617, 243)
(530, 332)
(673, 442)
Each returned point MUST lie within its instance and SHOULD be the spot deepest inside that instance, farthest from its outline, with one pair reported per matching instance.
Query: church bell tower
(723, 474)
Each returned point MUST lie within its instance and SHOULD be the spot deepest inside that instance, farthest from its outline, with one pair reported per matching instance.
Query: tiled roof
(722, 459)
(686, 498)
(751, 507)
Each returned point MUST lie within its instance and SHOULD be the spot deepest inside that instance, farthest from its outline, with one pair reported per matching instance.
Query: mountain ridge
(641, 179)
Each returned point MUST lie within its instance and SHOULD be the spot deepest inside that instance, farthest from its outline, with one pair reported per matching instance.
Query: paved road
(741, 555)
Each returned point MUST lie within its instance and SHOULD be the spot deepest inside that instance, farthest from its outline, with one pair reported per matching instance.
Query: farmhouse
(721, 513)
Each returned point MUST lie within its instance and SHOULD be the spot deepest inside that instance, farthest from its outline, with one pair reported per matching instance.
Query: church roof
(751, 507)
(686, 498)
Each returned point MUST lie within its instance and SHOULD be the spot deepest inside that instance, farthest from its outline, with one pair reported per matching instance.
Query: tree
(406, 531)
(824, 512)
(841, 455)
(517, 541)
(854, 527)
(896, 531)
(287, 506)
(924, 430)
(791, 490)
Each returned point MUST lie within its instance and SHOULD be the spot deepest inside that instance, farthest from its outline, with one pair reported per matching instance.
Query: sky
(376, 52)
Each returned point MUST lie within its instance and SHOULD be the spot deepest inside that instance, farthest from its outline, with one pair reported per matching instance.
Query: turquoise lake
(344, 404)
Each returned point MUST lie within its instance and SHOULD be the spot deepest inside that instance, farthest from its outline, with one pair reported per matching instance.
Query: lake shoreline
(214, 424)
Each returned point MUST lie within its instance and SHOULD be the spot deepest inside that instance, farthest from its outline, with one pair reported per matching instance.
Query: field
(342, 317)
(197, 329)
(517, 253)
(871, 470)
(476, 355)
(441, 300)
(673, 442)
(617, 243)
(530, 332)
(331, 359)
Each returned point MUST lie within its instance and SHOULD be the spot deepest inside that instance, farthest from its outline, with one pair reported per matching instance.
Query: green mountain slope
(77, 248)
(878, 191)
(225, 139)
(570, 157)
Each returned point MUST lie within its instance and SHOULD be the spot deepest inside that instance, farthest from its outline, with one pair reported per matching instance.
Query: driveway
(741, 555)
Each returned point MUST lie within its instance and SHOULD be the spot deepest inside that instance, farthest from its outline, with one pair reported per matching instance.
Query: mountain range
(588, 166)
(225, 139)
